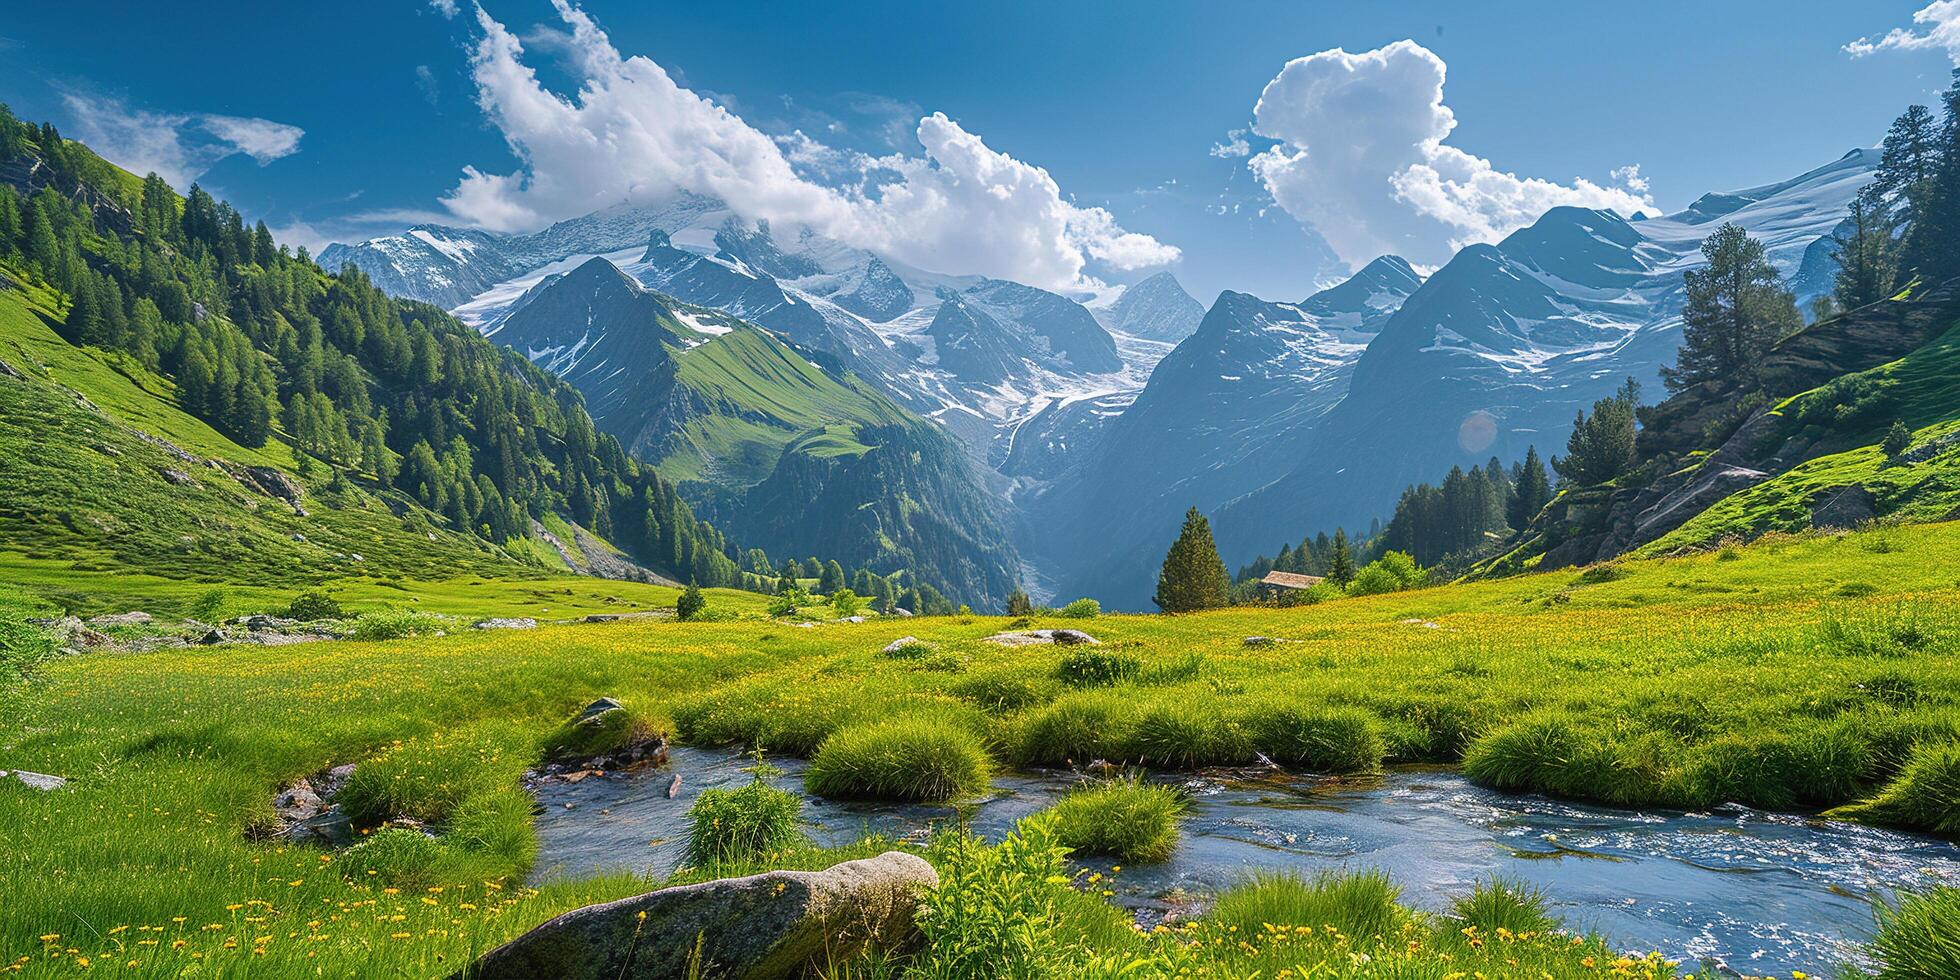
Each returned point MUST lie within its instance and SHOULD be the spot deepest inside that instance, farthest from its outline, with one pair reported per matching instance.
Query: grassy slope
(96, 531)
(1922, 390)
(1717, 666)
(767, 396)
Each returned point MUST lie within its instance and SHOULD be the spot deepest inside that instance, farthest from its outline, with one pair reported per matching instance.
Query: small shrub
(1081, 609)
(914, 758)
(210, 605)
(787, 602)
(1897, 440)
(1335, 740)
(735, 825)
(1599, 574)
(394, 624)
(845, 603)
(309, 606)
(1373, 580)
(690, 604)
(396, 855)
(1127, 819)
(1360, 905)
(1496, 905)
(1008, 910)
(1916, 937)
(1087, 666)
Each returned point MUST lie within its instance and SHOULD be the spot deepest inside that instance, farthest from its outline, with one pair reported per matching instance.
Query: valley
(532, 515)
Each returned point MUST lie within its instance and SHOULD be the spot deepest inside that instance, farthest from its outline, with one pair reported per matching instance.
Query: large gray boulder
(763, 926)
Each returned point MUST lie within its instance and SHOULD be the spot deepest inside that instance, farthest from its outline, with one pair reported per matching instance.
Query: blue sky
(339, 121)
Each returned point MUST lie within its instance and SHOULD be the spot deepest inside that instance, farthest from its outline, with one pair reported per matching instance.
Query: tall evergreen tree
(1602, 444)
(1737, 308)
(1193, 576)
(832, 578)
(1340, 561)
(1866, 253)
(1532, 492)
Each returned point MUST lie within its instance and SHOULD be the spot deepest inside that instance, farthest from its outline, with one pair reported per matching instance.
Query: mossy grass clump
(601, 733)
(1919, 936)
(1076, 728)
(1925, 795)
(1360, 905)
(1188, 733)
(1318, 739)
(1097, 667)
(1516, 908)
(427, 779)
(1002, 690)
(394, 855)
(916, 758)
(740, 825)
(1125, 819)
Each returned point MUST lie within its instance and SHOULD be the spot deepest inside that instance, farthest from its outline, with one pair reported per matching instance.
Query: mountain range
(1091, 427)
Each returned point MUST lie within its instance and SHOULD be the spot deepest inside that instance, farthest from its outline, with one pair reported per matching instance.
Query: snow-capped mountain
(1215, 421)
(450, 266)
(1506, 343)
(773, 442)
(1156, 308)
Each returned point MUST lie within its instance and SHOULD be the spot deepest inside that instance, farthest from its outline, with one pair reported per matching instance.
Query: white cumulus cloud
(1361, 157)
(177, 146)
(632, 133)
(1940, 21)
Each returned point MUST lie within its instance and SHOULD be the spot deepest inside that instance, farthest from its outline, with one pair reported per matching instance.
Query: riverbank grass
(1125, 819)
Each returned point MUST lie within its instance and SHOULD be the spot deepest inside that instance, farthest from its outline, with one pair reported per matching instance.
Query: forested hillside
(266, 347)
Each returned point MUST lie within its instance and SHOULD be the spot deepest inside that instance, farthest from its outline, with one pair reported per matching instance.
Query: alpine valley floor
(1798, 673)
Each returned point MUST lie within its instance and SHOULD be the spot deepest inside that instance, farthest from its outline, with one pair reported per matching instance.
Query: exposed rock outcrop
(763, 926)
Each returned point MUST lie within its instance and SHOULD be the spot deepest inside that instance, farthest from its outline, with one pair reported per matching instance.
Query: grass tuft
(1331, 740)
(1126, 819)
(913, 758)
(1360, 905)
(1494, 905)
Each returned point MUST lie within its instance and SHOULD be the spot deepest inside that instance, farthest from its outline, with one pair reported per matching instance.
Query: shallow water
(1759, 892)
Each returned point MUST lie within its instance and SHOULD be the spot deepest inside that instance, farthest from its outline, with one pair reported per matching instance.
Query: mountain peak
(1156, 308)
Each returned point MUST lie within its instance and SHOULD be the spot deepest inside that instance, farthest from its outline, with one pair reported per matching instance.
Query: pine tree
(1018, 603)
(1933, 202)
(1340, 562)
(1601, 447)
(1897, 440)
(1532, 492)
(1193, 576)
(1737, 308)
(832, 578)
(1866, 253)
(690, 604)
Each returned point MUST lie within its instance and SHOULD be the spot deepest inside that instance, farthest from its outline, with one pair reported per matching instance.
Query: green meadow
(1800, 672)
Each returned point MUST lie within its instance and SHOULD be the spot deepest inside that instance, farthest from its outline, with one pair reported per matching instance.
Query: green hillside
(1920, 390)
(760, 397)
